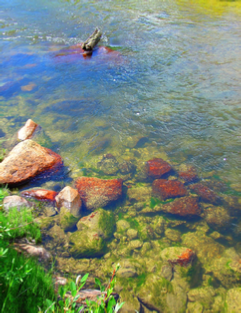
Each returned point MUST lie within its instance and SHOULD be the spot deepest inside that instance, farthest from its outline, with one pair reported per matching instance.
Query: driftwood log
(92, 41)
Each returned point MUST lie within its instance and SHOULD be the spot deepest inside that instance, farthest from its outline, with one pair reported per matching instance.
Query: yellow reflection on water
(214, 7)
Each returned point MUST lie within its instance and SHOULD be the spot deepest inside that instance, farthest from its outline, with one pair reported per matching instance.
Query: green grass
(24, 283)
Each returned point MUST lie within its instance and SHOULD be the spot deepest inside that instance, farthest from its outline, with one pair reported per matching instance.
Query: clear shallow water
(176, 83)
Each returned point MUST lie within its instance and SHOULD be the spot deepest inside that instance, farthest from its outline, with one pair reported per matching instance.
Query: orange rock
(157, 167)
(96, 193)
(164, 189)
(27, 130)
(183, 207)
(27, 160)
(40, 194)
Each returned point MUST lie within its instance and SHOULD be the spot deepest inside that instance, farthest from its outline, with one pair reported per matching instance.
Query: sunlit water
(175, 83)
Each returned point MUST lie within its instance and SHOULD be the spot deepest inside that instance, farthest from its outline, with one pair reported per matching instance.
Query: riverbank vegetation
(26, 286)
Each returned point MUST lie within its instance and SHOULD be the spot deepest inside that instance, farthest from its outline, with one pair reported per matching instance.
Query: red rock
(204, 193)
(27, 160)
(40, 194)
(189, 176)
(157, 167)
(96, 192)
(183, 207)
(165, 189)
(27, 130)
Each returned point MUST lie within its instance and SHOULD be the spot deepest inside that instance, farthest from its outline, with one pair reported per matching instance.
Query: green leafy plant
(3, 193)
(2, 154)
(68, 296)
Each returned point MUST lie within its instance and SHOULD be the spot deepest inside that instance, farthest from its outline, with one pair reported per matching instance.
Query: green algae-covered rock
(206, 248)
(86, 243)
(122, 226)
(101, 221)
(202, 295)
(45, 223)
(66, 220)
(233, 300)
(227, 268)
(194, 307)
(173, 235)
(153, 293)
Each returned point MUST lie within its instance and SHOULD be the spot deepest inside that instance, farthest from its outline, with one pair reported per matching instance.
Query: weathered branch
(92, 41)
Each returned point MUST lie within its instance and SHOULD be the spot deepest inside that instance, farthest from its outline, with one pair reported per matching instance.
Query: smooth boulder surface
(27, 160)
(40, 194)
(70, 199)
(15, 202)
(96, 192)
(27, 130)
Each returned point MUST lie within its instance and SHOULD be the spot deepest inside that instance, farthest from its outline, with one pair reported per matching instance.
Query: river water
(171, 89)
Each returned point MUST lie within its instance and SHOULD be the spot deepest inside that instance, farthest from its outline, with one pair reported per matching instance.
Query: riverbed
(169, 88)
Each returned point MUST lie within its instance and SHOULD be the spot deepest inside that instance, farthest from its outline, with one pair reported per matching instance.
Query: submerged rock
(66, 219)
(135, 244)
(217, 217)
(127, 167)
(233, 300)
(204, 193)
(25, 161)
(172, 234)
(86, 244)
(206, 248)
(27, 130)
(96, 192)
(227, 268)
(70, 199)
(122, 225)
(178, 256)
(166, 189)
(102, 222)
(202, 295)
(40, 194)
(139, 194)
(132, 233)
(15, 202)
(188, 174)
(185, 206)
(108, 165)
(156, 168)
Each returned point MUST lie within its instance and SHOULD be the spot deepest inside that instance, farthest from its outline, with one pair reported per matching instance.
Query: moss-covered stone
(101, 221)
(233, 303)
(85, 244)
(67, 221)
